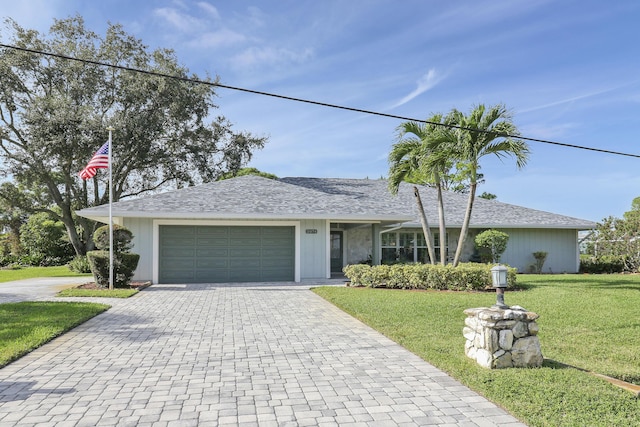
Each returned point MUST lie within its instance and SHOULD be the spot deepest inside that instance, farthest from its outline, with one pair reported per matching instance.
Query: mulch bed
(139, 285)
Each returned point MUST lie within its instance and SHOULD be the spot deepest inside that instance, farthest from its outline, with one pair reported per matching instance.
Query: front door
(336, 252)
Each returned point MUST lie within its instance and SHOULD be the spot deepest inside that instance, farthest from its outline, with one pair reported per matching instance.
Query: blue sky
(568, 70)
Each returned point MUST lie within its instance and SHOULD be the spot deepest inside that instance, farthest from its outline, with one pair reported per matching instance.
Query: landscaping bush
(122, 238)
(469, 276)
(124, 264)
(44, 242)
(80, 264)
(605, 264)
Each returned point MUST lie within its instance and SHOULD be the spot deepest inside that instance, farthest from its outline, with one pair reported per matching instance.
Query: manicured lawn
(33, 272)
(25, 326)
(101, 293)
(585, 321)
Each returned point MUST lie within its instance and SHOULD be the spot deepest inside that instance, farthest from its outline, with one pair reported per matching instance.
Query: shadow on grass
(586, 281)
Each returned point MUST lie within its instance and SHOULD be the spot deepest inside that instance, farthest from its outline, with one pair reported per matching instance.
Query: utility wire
(307, 101)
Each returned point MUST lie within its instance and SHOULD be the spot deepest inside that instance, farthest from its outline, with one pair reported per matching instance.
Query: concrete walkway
(223, 355)
(35, 289)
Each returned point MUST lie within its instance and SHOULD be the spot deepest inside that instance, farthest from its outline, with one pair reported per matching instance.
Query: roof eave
(100, 216)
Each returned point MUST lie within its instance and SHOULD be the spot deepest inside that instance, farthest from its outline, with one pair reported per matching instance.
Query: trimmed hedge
(124, 265)
(605, 264)
(464, 277)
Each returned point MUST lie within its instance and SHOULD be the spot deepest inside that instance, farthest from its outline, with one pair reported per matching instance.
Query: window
(407, 246)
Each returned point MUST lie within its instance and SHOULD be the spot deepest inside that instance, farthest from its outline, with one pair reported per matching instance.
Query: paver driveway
(247, 354)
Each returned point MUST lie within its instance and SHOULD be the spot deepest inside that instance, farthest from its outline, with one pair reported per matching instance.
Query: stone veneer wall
(359, 244)
(502, 338)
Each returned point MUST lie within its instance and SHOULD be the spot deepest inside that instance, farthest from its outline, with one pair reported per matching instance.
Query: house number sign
(311, 231)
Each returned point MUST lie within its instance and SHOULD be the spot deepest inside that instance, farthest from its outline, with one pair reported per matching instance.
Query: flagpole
(110, 213)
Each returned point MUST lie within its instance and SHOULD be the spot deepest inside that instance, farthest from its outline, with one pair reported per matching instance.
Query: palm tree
(412, 159)
(484, 131)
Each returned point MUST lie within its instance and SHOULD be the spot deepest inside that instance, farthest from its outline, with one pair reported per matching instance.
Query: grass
(104, 293)
(586, 321)
(35, 272)
(25, 326)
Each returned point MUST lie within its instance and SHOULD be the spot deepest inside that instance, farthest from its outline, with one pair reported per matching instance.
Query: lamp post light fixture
(499, 278)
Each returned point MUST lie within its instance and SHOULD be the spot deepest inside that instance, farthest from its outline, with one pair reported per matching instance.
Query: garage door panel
(276, 262)
(248, 275)
(214, 263)
(194, 254)
(178, 276)
(215, 232)
(246, 263)
(179, 241)
(245, 242)
(244, 253)
(212, 252)
(277, 252)
(179, 263)
(212, 275)
(212, 241)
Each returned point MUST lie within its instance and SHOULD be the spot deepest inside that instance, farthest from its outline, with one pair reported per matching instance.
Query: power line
(308, 101)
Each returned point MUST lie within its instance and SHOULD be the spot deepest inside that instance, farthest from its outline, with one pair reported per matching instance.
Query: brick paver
(235, 354)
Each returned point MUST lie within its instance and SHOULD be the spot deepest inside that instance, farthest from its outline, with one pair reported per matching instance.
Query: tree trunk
(465, 224)
(425, 226)
(443, 228)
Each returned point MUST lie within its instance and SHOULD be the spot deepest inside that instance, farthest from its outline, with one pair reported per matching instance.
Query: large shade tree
(484, 131)
(54, 114)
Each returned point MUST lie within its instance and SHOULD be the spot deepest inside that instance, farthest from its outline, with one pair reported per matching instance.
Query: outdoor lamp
(499, 278)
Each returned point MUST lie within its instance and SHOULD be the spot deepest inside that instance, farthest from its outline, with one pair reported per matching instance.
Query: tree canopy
(445, 152)
(620, 238)
(54, 115)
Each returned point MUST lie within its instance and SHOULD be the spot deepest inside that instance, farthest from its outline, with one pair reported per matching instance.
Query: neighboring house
(257, 229)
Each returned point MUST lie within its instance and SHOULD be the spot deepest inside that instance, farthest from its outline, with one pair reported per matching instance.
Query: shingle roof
(326, 198)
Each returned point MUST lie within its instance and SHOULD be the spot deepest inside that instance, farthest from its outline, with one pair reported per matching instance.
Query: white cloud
(223, 37)
(542, 131)
(574, 98)
(426, 82)
(209, 9)
(269, 55)
(181, 21)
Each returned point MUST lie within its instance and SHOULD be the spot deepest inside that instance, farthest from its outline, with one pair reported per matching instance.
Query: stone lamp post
(502, 336)
(499, 278)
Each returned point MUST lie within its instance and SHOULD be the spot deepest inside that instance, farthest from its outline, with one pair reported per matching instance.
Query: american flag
(100, 160)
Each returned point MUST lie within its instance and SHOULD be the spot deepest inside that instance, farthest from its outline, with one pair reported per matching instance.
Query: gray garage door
(200, 254)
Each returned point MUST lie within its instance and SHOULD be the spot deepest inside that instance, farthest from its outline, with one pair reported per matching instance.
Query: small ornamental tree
(493, 241)
(124, 262)
(540, 257)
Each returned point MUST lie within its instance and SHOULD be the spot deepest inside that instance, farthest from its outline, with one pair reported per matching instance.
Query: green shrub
(470, 276)
(605, 264)
(80, 264)
(493, 241)
(44, 242)
(124, 264)
(540, 257)
(122, 238)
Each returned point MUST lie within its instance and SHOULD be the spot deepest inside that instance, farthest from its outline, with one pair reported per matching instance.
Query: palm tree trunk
(443, 228)
(465, 224)
(425, 226)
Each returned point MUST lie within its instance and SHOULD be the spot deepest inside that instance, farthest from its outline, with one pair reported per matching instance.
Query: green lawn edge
(98, 293)
(430, 324)
(26, 326)
(9, 275)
